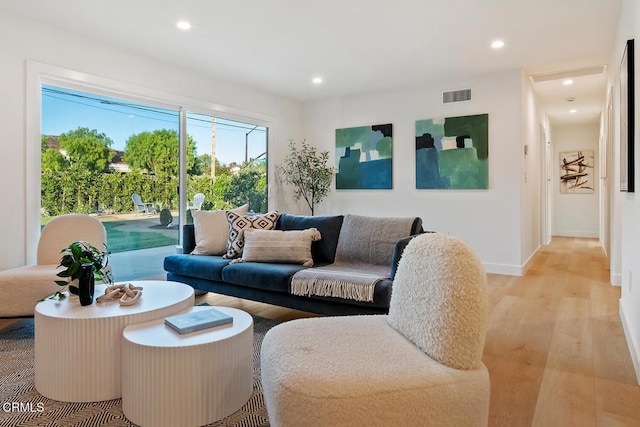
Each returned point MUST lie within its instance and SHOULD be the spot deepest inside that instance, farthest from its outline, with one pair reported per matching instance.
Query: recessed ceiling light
(497, 44)
(567, 82)
(183, 25)
(316, 80)
(573, 111)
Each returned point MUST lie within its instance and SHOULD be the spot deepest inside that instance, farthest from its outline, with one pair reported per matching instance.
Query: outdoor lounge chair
(198, 200)
(147, 208)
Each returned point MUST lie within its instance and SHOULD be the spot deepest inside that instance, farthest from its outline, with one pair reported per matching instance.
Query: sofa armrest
(416, 227)
(399, 249)
(188, 238)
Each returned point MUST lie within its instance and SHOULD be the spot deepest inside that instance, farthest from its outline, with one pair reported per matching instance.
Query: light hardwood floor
(555, 347)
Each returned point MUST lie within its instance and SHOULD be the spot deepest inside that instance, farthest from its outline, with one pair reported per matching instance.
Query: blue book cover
(198, 320)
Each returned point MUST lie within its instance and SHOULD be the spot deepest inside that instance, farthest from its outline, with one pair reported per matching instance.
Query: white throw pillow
(292, 246)
(211, 230)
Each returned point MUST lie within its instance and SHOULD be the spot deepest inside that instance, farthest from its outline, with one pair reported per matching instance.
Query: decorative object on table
(453, 152)
(576, 172)
(307, 171)
(197, 320)
(364, 157)
(77, 254)
(86, 284)
(126, 293)
(627, 114)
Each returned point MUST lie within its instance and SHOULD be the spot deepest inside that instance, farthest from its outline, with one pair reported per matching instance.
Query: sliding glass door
(120, 161)
(230, 163)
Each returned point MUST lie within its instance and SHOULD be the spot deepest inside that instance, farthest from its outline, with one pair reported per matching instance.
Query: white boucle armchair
(22, 287)
(419, 366)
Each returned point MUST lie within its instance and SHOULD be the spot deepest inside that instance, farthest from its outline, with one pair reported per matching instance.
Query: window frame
(39, 74)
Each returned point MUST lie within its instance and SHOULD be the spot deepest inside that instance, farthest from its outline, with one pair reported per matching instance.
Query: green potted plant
(306, 169)
(76, 254)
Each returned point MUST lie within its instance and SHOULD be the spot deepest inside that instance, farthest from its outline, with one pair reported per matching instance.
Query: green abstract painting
(364, 157)
(453, 152)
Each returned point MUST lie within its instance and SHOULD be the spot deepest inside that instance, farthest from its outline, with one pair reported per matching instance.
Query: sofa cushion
(271, 277)
(239, 223)
(293, 246)
(203, 267)
(211, 230)
(324, 250)
(371, 240)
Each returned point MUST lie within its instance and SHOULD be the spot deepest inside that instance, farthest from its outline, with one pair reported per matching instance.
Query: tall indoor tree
(306, 169)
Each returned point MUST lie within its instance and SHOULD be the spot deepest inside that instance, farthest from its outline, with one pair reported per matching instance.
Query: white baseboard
(506, 269)
(528, 262)
(616, 279)
(632, 347)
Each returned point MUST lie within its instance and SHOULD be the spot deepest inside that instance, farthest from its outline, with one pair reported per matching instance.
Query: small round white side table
(77, 348)
(186, 380)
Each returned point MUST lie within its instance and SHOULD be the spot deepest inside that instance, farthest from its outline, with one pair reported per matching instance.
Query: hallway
(555, 346)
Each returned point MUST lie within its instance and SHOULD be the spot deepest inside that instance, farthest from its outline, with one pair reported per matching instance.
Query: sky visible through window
(64, 110)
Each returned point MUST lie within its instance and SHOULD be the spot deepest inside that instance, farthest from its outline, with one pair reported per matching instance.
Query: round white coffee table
(193, 379)
(77, 348)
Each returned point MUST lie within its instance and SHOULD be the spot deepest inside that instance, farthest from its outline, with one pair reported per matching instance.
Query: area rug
(22, 405)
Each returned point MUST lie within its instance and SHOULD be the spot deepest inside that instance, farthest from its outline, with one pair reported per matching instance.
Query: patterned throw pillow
(211, 231)
(237, 225)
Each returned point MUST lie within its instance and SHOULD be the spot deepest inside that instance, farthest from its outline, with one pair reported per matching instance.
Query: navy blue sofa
(270, 282)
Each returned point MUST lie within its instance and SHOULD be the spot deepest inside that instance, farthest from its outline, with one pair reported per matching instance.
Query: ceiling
(357, 46)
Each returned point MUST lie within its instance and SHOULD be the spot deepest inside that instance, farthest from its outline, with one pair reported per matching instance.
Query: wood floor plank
(565, 396)
(611, 355)
(515, 388)
(617, 398)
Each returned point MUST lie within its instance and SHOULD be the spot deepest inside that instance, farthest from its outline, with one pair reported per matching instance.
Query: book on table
(198, 320)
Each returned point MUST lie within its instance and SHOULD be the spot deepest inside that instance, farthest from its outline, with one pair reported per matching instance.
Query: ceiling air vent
(456, 96)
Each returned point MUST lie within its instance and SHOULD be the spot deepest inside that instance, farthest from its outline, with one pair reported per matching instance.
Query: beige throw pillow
(279, 246)
(211, 230)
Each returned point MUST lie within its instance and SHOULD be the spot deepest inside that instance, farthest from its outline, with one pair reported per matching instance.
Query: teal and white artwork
(453, 152)
(364, 157)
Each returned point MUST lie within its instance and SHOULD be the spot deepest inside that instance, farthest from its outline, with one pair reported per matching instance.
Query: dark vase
(86, 284)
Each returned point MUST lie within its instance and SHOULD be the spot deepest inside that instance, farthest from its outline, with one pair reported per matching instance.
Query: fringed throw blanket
(350, 281)
(363, 258)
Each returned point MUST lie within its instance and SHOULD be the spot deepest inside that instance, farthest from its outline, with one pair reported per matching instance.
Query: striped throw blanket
(349, 281)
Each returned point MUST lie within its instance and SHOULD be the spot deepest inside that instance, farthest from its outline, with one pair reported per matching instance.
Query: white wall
(22, 41)
(576, 215)
(628, 236)
(489, 220)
